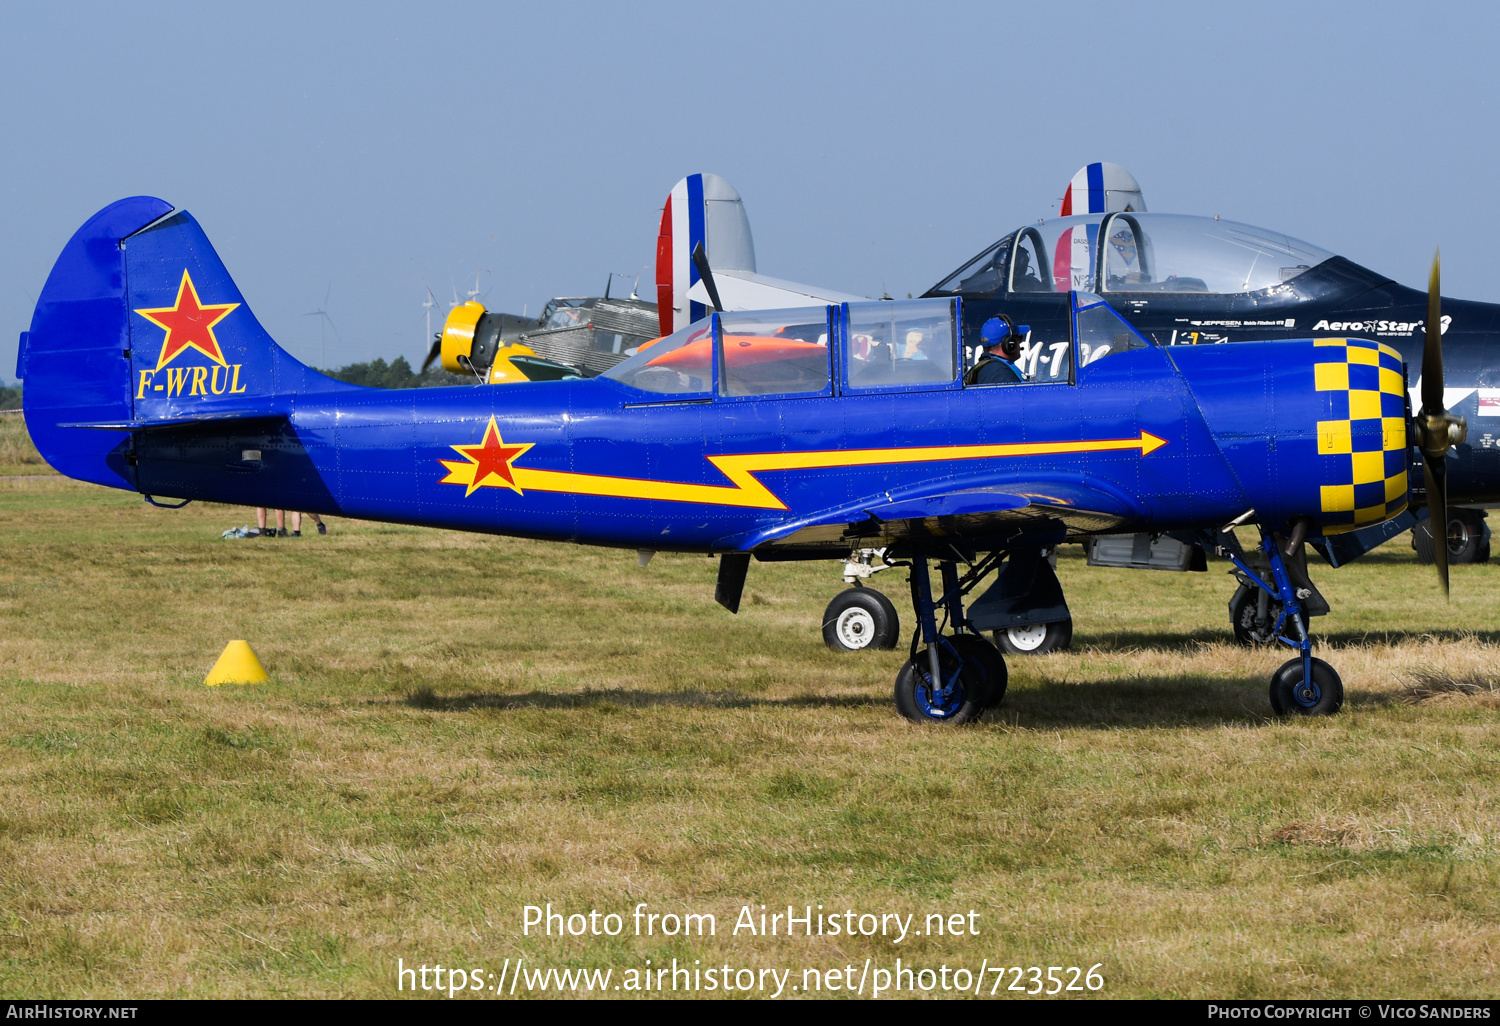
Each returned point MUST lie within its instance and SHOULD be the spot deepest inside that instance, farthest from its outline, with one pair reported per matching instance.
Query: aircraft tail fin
(700, 208)
(1101, 188)
(140, 323)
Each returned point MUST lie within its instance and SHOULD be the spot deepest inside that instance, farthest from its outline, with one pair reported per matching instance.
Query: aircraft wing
(1069, 505)
(746, 290)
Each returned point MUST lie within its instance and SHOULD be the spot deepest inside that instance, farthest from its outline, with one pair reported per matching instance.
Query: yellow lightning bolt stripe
(746, 491)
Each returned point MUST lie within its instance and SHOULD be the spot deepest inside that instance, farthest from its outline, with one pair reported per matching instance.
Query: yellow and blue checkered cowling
(1361, 432)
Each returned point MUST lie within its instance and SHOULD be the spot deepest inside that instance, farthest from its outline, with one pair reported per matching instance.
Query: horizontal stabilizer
(180, 420)
(746, 290)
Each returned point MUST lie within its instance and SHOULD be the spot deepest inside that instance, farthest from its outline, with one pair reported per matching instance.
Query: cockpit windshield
(564, 313)
(677, 364)
(981, 276)
(1139, 252)
(1178, 253)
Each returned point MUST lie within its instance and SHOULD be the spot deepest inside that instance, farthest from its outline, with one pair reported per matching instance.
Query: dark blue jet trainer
(1185, 281)
(794, 434)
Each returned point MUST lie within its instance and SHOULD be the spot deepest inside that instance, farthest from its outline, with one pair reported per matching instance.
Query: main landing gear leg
(1303, 685)
(954, 677)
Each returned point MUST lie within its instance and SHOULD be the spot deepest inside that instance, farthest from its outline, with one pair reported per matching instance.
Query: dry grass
(1425, 684)
(17, 454)
(459, 726)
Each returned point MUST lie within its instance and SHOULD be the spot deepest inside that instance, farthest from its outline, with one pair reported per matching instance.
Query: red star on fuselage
(492, 458)
(189, 324)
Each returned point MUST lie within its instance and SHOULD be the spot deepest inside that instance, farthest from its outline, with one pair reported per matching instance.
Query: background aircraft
(780, 435)
(593, 334)
(575, 336)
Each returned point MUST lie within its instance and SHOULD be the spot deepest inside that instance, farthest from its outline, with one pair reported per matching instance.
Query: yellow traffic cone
(237, 665)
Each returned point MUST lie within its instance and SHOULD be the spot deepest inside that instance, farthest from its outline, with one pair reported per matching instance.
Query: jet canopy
(1127, 252)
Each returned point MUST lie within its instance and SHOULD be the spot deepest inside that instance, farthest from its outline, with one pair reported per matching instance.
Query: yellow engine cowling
(458, 338)
(502, 371)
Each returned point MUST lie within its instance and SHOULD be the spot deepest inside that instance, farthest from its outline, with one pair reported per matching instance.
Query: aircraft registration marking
(744, 489)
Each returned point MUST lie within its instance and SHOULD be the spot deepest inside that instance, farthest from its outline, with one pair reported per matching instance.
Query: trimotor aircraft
(775, 436)
(1192, 281)
(575, 336)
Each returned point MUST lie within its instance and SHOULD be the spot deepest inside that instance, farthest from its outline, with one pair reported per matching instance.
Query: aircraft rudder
(74, 359)
(140, 320)
(1102, 187)
(701, 208)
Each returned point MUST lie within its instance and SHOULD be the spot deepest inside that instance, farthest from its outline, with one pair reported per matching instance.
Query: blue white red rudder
(701, 208)
(1101, 188)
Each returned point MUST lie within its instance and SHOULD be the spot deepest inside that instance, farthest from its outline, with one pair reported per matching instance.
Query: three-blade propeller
(1436, 429)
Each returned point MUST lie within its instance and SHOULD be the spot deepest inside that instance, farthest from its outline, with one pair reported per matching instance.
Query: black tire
(913, 691)
(1421, 543)
(1289, 698)
(1466, 536)
(1242, 612)
(1035, 639)
(975, 648)
(858, 619)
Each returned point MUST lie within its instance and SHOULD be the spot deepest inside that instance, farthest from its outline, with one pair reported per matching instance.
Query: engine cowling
(471, 335)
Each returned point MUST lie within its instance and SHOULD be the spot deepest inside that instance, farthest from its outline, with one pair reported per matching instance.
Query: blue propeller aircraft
(778, 435)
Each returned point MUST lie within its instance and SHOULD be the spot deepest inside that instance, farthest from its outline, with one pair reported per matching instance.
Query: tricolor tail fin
(1101, 188)
(139, 323)
(700, 208)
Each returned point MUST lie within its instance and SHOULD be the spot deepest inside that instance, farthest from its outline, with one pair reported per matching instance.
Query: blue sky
(367, 151)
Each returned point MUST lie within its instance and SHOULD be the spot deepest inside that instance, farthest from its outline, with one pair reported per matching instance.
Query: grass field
(460, 726)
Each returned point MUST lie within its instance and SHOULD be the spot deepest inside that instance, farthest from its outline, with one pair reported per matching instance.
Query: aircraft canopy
(1129, 252)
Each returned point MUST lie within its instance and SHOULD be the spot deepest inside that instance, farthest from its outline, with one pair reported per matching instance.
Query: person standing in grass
(297, 523)
(260, 523)
(280, 532)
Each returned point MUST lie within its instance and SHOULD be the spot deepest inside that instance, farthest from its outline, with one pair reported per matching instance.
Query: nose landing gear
(1303, 685)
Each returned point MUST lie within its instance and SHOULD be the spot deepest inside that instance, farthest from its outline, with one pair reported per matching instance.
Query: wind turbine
(428, 304)
(432, 345)
(322, 312)
(474, 292)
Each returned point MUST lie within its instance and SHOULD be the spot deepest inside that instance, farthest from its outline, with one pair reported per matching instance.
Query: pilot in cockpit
(1025, 277)
(1001, 341)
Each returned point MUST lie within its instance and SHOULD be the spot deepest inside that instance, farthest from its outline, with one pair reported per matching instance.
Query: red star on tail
(189, 324)
(492, 458)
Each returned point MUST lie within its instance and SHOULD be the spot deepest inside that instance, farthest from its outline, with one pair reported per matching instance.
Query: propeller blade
(432, 354)
(1437, 430)
(700, 261)
(1432, 353)
(1435, 474)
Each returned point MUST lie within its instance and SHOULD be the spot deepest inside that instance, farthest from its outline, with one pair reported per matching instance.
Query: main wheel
(1291, 694)
(860, 618)
(1036, 638)
(1468, 538)
(1465, 536)
(918, 700)
(975, 649)
(1421, 542)
(1244, 610)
